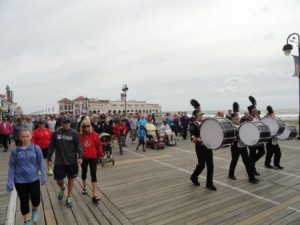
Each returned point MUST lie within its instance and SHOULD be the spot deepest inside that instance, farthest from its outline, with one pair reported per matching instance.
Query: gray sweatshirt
(67, 147)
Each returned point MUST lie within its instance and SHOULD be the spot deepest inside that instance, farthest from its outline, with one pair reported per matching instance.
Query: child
(119, 130)
(106, 146)
(141, 133)
(24, 163)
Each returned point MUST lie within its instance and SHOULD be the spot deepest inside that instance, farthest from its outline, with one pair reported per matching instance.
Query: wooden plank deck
(153, 187)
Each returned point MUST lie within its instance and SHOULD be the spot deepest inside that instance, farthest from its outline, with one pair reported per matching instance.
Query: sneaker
(61, 194)
(35, 215)
(28, 222)
(50, 172)
(69, 202)
(133, 142)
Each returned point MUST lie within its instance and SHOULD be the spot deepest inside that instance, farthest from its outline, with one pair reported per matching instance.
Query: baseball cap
(66, 120)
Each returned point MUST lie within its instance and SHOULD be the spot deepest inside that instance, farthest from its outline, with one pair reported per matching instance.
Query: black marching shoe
(269, 166)
(195, 181)
(256, 173)
(278, 167)
(254, 181)
(211, 187)
(232, 177)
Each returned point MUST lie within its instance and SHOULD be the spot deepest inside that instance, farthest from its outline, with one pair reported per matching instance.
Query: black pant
(93, 168)
(273, 150)
(5, 139)
(184, 131)
(235, 154)
(205, 157)
(255, 156)
(26, 191)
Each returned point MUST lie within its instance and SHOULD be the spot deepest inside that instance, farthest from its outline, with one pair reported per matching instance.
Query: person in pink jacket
(5, 132)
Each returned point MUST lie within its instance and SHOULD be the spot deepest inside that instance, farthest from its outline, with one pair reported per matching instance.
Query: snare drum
(253, 133)
(290, 132)
(275, 125)
(217, 132)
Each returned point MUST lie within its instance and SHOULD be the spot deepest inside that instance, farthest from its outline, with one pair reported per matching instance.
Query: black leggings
(26, 191)
(93, 168)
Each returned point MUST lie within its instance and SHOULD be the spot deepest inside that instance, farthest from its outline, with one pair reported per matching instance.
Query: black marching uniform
(256, 151)
(237, 149)
(273, 148)
(205, 157)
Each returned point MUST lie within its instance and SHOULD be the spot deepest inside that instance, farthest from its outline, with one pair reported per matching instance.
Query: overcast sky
(166, 51)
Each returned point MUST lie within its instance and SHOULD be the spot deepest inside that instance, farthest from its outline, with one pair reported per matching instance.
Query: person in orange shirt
(42, 137)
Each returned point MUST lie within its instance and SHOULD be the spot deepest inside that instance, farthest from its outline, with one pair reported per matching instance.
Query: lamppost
(287, 51)
(125, 89)
(86, 104)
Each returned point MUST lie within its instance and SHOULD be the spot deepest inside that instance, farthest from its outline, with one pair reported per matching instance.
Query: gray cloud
(166, 51)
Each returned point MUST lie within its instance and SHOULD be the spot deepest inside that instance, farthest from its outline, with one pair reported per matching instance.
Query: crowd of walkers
(76, 141)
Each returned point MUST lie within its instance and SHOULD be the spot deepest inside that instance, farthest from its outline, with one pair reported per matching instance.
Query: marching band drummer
(238, 148)
(256, 151)
(272, 147)
(204, 155)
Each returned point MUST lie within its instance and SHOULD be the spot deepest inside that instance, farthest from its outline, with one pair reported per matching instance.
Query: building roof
(80, 98)
(65, 100)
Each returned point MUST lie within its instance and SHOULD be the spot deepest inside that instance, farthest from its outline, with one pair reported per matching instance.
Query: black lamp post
(287, 51)
(125, 89)
(86, 104)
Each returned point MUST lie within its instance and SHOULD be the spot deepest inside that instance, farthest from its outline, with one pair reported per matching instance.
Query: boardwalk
(153, 187)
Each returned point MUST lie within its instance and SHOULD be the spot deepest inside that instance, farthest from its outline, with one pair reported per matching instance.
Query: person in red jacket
(92, 150)
(119, 130)
(41, 136)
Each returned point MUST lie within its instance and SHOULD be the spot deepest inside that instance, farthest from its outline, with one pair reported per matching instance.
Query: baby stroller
(155, 144)
(105, 139)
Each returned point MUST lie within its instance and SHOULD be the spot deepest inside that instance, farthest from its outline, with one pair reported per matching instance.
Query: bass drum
(217, 132)
(289, 133)
(275, 125)
(254, 133)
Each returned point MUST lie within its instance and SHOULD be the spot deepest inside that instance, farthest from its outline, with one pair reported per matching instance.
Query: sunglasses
(66, 122)
(85, 126)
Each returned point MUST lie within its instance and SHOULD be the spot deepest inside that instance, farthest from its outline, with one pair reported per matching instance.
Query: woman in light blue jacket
(25, 163)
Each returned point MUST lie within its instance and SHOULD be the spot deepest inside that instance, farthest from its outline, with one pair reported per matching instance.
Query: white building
(83, 104)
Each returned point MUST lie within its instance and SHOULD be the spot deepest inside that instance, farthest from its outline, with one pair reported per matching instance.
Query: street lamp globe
(287, 49)
(125, 88)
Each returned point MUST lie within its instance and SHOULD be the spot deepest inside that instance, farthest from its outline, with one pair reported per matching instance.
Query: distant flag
(297, 66)
(53, 109)
(49, 110)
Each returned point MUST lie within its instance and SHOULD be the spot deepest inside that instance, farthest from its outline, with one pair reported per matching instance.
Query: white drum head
(211, 133)
(249, 133)
(272, 124)
(285, 134)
